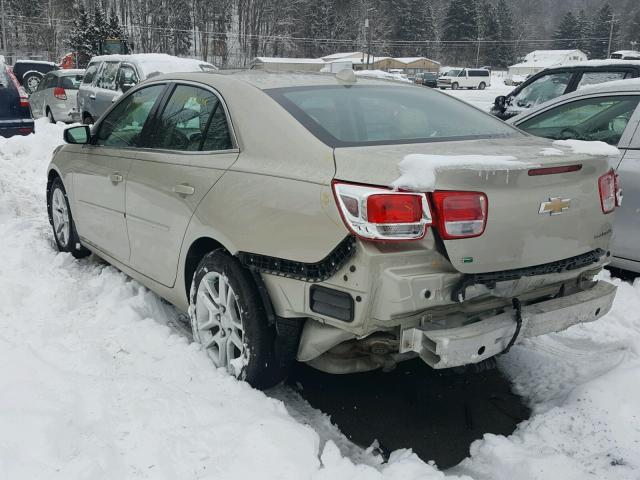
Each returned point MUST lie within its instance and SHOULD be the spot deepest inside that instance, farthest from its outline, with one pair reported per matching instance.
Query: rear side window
(599, 118)
(90, 74)
(70, 82)
(478, 73)
(343, 116)
(593, 78)
(189, 120)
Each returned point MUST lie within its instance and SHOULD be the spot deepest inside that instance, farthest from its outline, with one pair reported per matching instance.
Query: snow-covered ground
(98, 382)
(483, 98)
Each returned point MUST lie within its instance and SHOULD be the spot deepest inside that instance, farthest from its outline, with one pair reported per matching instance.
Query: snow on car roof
(68, 72)
(602, 63)
(40, 62)
(156, 62)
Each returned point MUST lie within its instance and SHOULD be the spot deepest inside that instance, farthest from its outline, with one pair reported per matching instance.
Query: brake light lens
(60, 93)
(374, 213)
(24, 98)
(609, 192)
(460, 214)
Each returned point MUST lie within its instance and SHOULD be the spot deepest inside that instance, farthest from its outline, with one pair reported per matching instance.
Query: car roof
(264, 80)
(612, 62)
(631, 86)
(67, 72)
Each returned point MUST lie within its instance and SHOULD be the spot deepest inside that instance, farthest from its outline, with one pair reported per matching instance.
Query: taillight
(609, 192)
(460, 214)
(60, 93)
(24, 98)
(375, 213)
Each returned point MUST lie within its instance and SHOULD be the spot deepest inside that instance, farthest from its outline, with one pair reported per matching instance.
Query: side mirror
(80, 135)
(500, 102)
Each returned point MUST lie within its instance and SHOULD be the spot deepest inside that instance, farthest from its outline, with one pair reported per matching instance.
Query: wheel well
(197, 250)
(52, 176)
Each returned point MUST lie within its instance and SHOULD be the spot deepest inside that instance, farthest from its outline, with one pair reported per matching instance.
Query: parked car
(607, 112)
(260, 203)
(428, 79)
(56, 95)
(108, 76)
(626, 55)
(478, 78)
(15, 116)
(30, 72)
(553, 82)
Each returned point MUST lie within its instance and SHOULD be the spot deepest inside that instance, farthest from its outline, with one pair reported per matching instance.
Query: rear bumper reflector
(552, 170)
(332, 303)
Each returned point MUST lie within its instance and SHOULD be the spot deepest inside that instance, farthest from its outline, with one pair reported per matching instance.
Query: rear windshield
(343, 116)
(70, 82)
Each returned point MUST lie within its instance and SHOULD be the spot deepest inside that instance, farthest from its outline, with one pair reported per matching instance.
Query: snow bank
(419, 171)
(382, 74)
(96, 383)
(588, 148)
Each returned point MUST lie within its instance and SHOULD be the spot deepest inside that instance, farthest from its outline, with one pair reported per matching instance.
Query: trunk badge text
(555, 206)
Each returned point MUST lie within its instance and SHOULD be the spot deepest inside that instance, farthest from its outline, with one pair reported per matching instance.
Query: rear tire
(455, 86)
(482, 86)
(229, 320)
(87, 119)
(60, 218)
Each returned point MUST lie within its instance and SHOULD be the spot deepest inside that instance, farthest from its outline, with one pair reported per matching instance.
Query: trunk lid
(516, 234)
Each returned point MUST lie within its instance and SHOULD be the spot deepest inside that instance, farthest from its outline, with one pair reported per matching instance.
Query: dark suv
(553, 82)
(15, 115)
(30, 72)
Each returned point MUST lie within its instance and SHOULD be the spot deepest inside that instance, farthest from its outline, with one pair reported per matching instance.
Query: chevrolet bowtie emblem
(555, 206)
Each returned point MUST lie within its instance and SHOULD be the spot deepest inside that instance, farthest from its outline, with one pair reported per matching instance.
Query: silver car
(263, 205)
(608, 112)
(109, 76)
(55, 97)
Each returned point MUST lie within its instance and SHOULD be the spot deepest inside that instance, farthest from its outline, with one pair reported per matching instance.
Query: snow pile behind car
(97, 384)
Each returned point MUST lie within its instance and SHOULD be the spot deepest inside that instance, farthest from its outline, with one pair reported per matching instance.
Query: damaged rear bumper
(452, 347)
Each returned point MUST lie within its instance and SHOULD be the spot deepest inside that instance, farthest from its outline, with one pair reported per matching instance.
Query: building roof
(546, 58)
(408, 60)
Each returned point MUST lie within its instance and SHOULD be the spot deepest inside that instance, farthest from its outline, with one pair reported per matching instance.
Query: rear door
(99, 178)
(189, 150)
(626, 243)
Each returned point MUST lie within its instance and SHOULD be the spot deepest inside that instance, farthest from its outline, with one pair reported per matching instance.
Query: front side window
(184, 122)
(89, 74)
(127, 76)
(542, 90)
(594, 78)
(600, 118)
(107, 76)
(357, 115)
(123, 126)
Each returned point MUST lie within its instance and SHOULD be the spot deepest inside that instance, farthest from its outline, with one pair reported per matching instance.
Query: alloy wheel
(60, 214)
(219, 323)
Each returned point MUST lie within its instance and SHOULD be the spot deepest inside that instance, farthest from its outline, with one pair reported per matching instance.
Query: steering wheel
(569, 133)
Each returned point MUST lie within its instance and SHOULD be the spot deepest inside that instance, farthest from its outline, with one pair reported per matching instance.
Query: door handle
(116, 178)
(184, 189)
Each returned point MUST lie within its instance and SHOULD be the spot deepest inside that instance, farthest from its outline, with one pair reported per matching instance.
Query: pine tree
(489, 31)
(567, 33)
(100, 29)
(600, 28)
(80, 40)
(584, 32)
(461, 25)
(179, 20)
(505, 51)
(115, 29)
(632, 31)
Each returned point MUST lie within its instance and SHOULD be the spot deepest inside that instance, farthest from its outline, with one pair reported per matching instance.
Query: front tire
(60, 218)
(482, 86)
(454, 86)
(229, 320)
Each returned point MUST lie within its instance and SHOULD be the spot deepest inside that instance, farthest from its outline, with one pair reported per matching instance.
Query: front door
(99, 180)
(189, 150)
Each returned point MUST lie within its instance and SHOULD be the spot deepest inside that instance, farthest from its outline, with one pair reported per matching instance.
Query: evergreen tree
(584, 32)
(321, 17)
(505, 50)
(179, 21)
(632, 31)
(80, 39)
(489, 32)
(413, 22)
(115, 29)
(461, 25)
(100, 29)
(567, 33)
(601, 28)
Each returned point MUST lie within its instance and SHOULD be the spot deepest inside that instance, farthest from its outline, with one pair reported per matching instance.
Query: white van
(479, 78)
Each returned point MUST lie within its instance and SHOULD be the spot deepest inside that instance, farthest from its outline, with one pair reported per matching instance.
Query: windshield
(357, 115)
(453, 73)
(71, 82)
